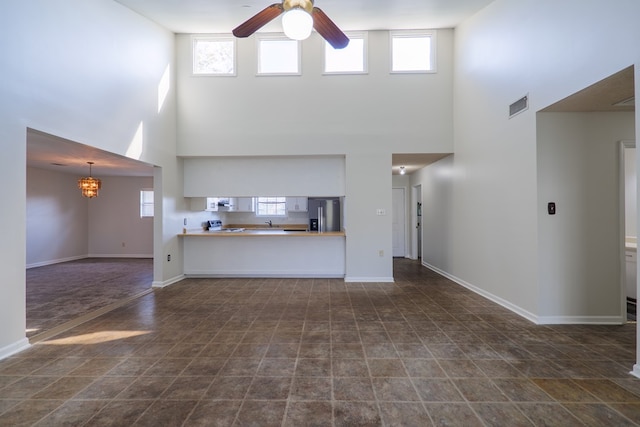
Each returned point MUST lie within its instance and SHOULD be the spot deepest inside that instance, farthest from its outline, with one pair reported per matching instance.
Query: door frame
(623, 144)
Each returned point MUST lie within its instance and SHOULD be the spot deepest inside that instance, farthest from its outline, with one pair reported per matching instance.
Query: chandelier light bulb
(297, 24)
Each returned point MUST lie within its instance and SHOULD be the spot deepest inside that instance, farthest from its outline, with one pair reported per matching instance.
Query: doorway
(398, 222)
(83, 254)
(416, 222)
(628, 186)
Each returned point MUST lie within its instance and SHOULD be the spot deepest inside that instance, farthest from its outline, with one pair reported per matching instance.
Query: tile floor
(315, 352)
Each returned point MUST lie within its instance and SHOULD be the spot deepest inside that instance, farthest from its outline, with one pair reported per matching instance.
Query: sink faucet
(270, 223)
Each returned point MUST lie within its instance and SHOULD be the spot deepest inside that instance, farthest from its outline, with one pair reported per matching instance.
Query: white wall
(87, 71)
(314, 113)
(580, 247)
(265, 176)
(115, 226)
(363, 117)
(57, 220)
(548, 50)
(62, 225)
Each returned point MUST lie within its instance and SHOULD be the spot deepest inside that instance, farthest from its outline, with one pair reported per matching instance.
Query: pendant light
(89, 185)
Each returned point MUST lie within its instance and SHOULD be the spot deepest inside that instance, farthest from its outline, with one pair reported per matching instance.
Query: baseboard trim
(350, 279)
(636, 371)
(581, 320)
(504, 303)
(119, 256)
(165, 283)
(14, 348)
(79, 257)
(55, 261)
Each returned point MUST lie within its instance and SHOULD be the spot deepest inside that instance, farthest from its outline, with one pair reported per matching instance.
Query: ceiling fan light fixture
(297, 24)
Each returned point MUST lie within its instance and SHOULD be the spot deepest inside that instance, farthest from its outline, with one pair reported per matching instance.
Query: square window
(214, 56)
(278, 55)
(349, 60)
(271, 206)
(412, 52)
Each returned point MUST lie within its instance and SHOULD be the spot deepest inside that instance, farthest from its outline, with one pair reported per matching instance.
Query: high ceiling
(221, 16)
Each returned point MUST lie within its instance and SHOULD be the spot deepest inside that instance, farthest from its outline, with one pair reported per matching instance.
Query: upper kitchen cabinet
(241, 204)
(209, 204)
(297, 204)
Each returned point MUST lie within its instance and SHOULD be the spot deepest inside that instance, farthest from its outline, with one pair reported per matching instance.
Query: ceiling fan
(294, 10)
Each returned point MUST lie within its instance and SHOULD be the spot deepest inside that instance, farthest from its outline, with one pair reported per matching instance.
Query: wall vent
(519, 106)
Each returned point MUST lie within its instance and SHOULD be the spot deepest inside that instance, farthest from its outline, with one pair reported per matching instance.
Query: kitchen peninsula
(264, 252)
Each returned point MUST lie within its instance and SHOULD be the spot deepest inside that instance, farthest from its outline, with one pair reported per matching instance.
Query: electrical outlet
(169, 257)
(381, 253)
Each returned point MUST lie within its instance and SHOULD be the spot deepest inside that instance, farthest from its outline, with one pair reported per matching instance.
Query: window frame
(282, 202)
(144, 204)
(218, 38)
(260, 37)
(364, 35)
(431, 34)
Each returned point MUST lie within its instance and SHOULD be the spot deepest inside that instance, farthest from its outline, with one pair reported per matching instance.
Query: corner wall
(87, 72)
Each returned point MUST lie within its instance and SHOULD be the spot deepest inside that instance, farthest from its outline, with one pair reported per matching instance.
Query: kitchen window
(214, 56)
(271, 206)
(413, 51)
(146, 203)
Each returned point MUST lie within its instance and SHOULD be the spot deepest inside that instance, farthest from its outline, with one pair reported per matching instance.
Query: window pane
(271, 206)
(351, 59)
(278, 57)
(411, 53)
(212, 56)
(146, 203)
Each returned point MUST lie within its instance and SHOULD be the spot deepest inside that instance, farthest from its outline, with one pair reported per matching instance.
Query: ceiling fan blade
(327, 29)
(258, 20)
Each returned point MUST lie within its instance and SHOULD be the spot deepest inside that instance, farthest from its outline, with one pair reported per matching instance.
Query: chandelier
(89, 185)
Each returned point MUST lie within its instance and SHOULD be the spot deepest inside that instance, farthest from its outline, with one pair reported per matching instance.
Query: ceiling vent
(519, 106)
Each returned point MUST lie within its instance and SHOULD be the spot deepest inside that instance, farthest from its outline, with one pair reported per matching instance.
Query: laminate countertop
(259, 232)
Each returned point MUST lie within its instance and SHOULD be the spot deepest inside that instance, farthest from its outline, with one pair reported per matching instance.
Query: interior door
(398, 222)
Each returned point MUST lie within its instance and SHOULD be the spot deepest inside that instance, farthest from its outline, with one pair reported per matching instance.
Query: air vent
(519, 106)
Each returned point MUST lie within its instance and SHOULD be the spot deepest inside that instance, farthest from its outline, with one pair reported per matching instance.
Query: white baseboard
(538, 320)
(504, 303)
(636, 370)
(165, 283)
(14, 348)
(581, 320)
(78, 257)
(350, 279)
(55, 261)
(119, 256)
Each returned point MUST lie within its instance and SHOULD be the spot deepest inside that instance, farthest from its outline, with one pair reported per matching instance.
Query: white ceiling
(221, 16)
(50, 152)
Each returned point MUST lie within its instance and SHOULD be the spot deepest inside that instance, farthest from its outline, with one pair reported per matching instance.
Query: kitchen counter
(255, 251)
(238, 232)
